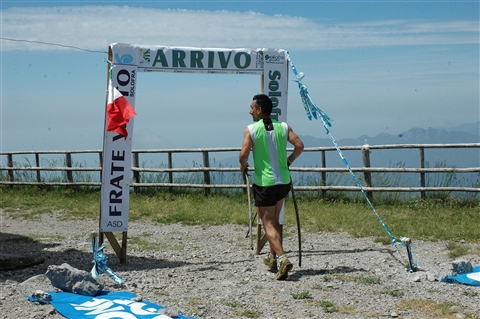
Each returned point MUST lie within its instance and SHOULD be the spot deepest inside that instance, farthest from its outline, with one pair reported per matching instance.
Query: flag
(119, 112)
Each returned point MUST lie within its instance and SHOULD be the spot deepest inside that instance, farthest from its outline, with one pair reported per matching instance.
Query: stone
(431, 276)
(70, 279)
(42, 296)
(461, 267)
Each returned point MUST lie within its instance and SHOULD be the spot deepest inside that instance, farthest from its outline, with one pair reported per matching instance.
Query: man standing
(267, 138)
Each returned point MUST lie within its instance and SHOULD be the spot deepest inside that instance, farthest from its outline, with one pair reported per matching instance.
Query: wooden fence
(11, 167)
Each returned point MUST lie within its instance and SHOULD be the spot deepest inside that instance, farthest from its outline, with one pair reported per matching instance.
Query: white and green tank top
(270, 152)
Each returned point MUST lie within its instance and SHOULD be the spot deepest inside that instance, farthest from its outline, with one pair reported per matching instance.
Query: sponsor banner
(189, 59)
(276, 81)
(108, 305)
(117, 159)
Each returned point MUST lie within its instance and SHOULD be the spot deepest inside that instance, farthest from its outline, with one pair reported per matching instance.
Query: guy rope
(313, 112)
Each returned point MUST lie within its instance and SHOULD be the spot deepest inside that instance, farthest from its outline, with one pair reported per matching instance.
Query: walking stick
(249, 209)
(253, 215)
(298, 225)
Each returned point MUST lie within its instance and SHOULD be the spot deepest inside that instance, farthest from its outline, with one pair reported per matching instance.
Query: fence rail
(14, 167)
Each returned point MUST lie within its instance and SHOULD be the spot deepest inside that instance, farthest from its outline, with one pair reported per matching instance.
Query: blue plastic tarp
(471, 278)
(106, 305)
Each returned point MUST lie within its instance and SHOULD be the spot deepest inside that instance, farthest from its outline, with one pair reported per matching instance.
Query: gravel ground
(210, 272)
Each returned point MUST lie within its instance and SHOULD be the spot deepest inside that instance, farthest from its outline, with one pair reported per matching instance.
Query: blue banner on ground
(471, 278)
(118, 305)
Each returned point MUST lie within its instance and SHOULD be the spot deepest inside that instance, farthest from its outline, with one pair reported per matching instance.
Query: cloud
(95, 27)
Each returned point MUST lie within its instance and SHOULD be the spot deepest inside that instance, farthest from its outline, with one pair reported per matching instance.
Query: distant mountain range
(466, 133)
(458, 157)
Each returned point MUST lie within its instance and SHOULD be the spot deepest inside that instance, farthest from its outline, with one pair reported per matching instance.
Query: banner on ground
(471, 278)
(110, 305)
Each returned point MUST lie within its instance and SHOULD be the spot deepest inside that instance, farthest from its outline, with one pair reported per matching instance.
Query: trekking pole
(253, 215)
(247, 180)
(298, 225)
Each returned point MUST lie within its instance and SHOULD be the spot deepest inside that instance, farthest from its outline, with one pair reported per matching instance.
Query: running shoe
(285, 267)
(271, 263)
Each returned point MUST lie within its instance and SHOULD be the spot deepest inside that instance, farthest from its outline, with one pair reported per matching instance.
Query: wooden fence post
(422, 174)
(100, 158)
(206, 174)
(170, 174)
(366, 163)
(136, 174)
(68, 162)
(37, 162)
(10, 164)
(324, 174)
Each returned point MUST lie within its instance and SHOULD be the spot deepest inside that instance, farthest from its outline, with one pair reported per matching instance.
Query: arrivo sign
(127, 60)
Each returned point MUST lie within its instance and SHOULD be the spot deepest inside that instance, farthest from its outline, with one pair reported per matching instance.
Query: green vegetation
(233, 304)
(430, 220)
(302, 295)
(470, 293)
(361, 279)
(247, 313)
(328, 306)
(432, 308)
(392, 292)
(456, 250)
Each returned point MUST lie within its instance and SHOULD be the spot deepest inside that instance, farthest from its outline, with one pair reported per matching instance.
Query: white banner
(188, 60)
(276, 82)
(117, 159)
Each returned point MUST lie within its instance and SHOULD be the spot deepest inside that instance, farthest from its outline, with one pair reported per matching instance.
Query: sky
(372, 66)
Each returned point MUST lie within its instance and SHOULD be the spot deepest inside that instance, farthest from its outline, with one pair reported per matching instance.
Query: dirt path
(209, 272)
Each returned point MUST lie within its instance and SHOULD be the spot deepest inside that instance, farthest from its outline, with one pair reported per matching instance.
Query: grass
(470, 293)
(456, 250)
(361, 279)
(328, 306)
(432, 308)
(302, 295)
(392, 292)
(431, 220)
(247, 313)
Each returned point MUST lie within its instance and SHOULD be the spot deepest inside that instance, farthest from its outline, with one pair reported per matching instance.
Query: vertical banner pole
(274, 83)
(117, 162)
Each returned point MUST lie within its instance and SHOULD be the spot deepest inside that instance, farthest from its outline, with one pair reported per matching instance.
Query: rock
(461, 267)
(440, 275)
(42, 296)
(431, 276)
(168, 311)
(70, 279)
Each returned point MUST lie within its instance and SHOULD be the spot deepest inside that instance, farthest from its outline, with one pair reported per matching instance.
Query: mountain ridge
(464, 133)
(409, 157)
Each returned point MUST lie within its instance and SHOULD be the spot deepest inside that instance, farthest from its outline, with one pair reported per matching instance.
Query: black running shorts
(269, 195)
